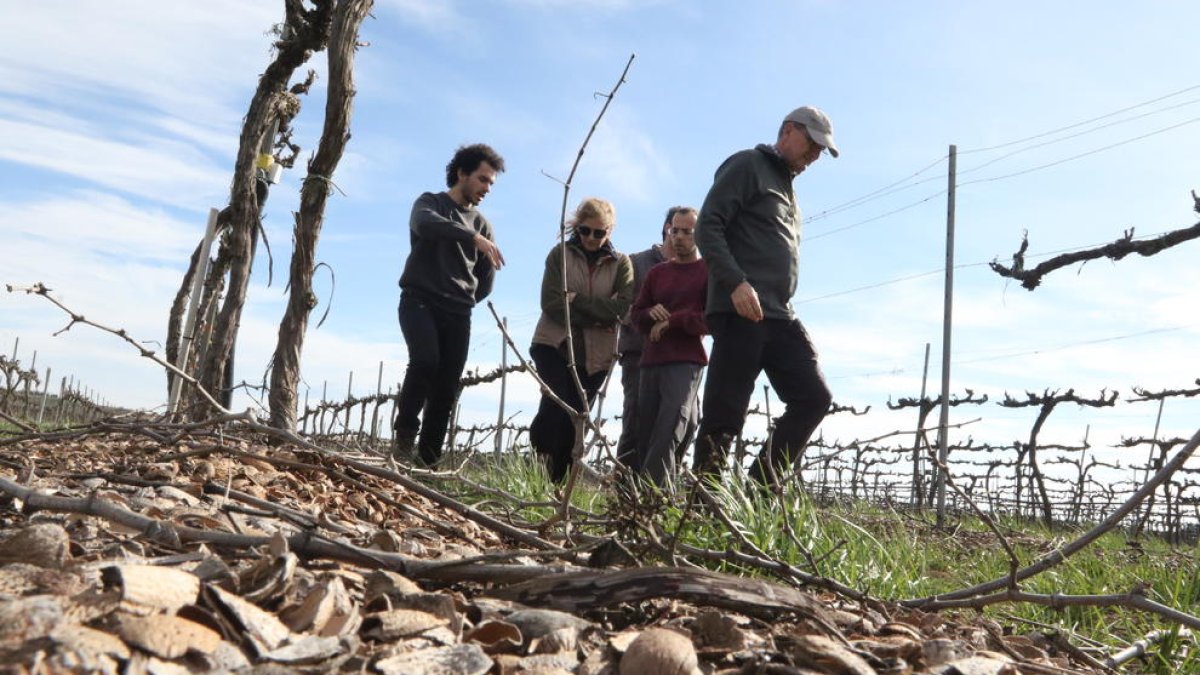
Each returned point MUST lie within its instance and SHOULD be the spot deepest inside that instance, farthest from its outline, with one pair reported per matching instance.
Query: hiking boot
(429, 458)
(402, 444)
(712, 452)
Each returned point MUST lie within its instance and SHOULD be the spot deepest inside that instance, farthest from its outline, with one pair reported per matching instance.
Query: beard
(683, 252)
(473, 196)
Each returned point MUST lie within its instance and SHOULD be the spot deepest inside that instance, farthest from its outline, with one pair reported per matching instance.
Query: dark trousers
(667, 399)
(552, 432)
(630, 377)
(741, 350)
(437, 352)
(631, 383)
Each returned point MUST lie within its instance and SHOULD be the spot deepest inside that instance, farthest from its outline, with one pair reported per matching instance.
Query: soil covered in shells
(120, 553)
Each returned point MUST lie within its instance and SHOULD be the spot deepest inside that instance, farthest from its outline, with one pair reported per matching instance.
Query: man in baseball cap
(817, 124)
(749, 234)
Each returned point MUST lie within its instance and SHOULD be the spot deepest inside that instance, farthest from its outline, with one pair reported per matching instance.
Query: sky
(1073, 122)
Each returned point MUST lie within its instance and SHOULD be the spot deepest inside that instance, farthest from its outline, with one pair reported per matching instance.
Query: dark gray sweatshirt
(749, 230)
(443, 266)
(631, 341)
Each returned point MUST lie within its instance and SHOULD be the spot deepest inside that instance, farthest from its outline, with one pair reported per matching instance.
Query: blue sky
(119, 123)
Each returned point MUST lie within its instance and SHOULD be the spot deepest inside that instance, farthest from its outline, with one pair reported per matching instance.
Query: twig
(511, 555)
(1060, 640)
(1059, 555)
(683, 517)
(15, 422)
(302, 542)
(39, 289)
(755, 597)
(1013, 562)
(1133, 599)
(787, 572)
(577, 450)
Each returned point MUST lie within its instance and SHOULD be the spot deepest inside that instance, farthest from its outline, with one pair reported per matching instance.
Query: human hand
(658, 329)
(659, 313)
(490, 249)
(745, 301)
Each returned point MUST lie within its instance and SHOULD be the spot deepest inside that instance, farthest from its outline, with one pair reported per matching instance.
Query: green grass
(48, 423)
(896, 556)
(521, 476)
(868, 549)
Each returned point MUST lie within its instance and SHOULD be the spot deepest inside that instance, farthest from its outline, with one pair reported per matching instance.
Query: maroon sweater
(681, 288)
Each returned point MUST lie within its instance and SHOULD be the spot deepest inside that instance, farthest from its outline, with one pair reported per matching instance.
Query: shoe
(428, 458)
(711, 456)
(402, 444)
(767, 477)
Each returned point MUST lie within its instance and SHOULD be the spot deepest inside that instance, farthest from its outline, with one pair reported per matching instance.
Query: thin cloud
(162, 170)
(425, 13)
(100, 224)
(130, 96)
(605, 5)
(624, 161)
(160, 55)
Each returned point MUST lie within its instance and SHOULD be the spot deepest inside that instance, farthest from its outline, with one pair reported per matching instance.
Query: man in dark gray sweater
(450, 267)
(749, 234)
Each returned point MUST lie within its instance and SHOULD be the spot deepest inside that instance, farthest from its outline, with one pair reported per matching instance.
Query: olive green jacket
(603, 294)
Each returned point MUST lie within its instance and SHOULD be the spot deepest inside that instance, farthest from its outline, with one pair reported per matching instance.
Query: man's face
(478, 183)
(797, 149)
(682, 236)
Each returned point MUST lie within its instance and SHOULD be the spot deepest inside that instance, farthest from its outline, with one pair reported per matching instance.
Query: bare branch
(1031, 278)
(305, 542)
(1059, 555)
(39, 289)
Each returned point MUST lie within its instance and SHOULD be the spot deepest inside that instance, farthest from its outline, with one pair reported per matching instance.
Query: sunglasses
(597, 233)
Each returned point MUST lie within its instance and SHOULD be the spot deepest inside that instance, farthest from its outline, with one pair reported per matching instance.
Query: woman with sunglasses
(599, 290)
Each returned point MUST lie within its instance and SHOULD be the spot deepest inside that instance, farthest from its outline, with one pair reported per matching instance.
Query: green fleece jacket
(749, 230)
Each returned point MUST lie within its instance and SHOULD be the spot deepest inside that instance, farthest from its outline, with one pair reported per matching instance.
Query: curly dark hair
(469, 157)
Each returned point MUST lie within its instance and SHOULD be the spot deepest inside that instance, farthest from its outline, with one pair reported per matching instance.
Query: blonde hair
(594, 207)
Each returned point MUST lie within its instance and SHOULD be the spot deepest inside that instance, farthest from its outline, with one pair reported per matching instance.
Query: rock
(41, 544)
(661, 652)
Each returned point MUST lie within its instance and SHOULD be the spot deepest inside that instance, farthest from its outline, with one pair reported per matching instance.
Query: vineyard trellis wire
(1056, 483)
(888, 470)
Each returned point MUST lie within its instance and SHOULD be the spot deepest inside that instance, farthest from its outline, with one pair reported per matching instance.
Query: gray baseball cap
(820, 129)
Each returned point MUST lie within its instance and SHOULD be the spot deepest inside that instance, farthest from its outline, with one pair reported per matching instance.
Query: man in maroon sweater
(669, 311)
